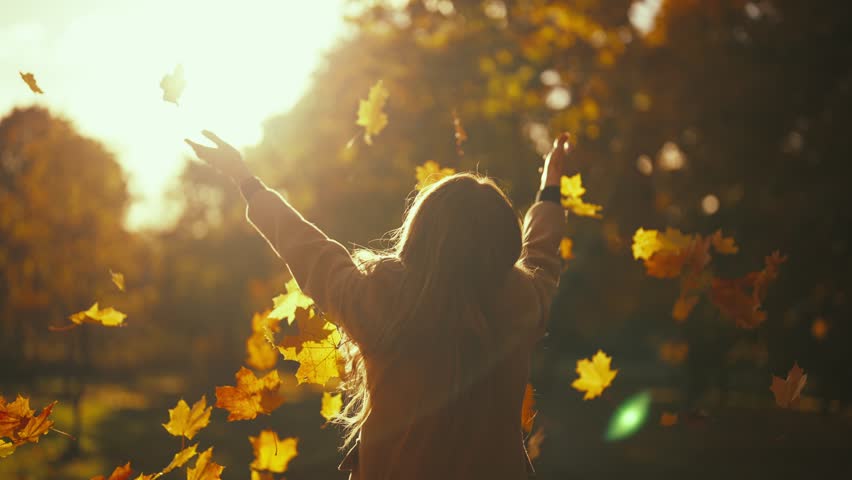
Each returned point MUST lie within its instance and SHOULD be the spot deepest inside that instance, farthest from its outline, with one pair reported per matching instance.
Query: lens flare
(629, 416)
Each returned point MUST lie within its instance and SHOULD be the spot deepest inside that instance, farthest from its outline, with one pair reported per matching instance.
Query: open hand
(554, 163)
(222, 157)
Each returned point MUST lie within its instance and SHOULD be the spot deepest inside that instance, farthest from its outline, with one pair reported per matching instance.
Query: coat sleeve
(542, 233)
(322, 267)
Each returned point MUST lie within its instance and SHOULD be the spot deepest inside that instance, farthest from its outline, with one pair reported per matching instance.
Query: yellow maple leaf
(528, 409)
(30, 80)
(429, 173)
(117, 279)
(370, 112)
(572, 191)
(108, 317)
(572, 187)
(250, 396)
(724, 245)
(645, 244)
(260, 354)
(595, 375)
(121, 472)
(205, 469)
(581, 208)
(311, 326)
(271, 453)
(186, 422)
(566, 248)
(6, 448)
(178, 460)
(331, 405)
(319, 362)
(287, 303)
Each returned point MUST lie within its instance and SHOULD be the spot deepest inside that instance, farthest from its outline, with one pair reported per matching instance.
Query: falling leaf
(36, 426)
(331, 405)
(6, 448)
(30, 80)
(117, 279)
(122, 472)
(787, 392)
(566, 248)
(528, 409)
(370, 112)
(572, 187)
(179, 460)
(287, 303)
(204, 468)
(319, 362)
(740, 299)
(260, 352)
(534, 443)
(572, 191)
(668, 419)
(595, 375)
(108, 317)
(255, 475)
(645, 244)
(312, 327)
(429, 173)
(13, 416)
(250, 396)
(185, 422)
(271, 453)
(683, 306)
(724, 245)
(173, 85)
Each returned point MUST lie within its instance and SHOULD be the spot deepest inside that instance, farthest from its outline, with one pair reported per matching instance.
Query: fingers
(214, 138)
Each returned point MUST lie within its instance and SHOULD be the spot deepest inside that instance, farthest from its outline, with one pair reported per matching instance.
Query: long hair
(459, 240)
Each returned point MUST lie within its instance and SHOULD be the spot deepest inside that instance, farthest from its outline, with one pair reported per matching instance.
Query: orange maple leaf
(122, 472)
(371, 113)
(429, 173)
(260, 353)
(250, 396)
(37, 426)
(331, 405)
(528, 409)
(724, 245)
(787, 391)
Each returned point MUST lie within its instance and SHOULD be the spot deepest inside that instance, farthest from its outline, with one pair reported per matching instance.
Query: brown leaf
(787, 391)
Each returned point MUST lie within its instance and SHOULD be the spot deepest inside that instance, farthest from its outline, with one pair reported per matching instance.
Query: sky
(100, 62)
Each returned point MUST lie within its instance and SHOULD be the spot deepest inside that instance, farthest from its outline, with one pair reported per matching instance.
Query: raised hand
(554, 163)
(222, 157)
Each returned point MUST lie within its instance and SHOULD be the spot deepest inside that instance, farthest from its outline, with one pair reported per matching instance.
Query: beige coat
(410, 433)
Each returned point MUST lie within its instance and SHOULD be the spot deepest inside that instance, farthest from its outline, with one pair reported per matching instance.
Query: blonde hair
(459, 240)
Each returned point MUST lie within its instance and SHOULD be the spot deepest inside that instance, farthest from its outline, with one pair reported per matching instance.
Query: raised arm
(322, 267)
(543, 229)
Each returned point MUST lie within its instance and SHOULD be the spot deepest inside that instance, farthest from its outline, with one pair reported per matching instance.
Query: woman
(444, 322)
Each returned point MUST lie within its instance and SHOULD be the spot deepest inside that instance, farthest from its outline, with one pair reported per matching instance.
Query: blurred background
(697, 115)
